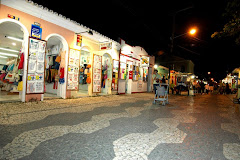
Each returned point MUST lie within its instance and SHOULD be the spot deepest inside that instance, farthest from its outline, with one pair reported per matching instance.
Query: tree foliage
(232, 27)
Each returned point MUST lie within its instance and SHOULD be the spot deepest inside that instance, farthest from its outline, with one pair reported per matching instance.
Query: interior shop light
(3, 57)
(8, 54)
(89, 32)
(14, 38)
(10, 50)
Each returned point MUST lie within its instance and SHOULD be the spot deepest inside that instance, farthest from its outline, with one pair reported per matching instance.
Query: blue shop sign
(36, 31)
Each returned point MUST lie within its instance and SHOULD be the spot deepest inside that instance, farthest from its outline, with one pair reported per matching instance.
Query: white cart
(161, 94)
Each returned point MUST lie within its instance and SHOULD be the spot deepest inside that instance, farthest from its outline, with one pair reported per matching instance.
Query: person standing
(207, 88)
(194, 84)
(220, 89)
(202, 85)
(227, 88)
(156, 77)
(163, 79)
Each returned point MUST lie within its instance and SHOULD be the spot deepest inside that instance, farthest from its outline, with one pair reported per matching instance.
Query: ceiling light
(8, 54)
(14, 38)
(11, 50)
(3, 57)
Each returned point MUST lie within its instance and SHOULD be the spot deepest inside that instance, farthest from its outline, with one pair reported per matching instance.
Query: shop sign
(105, 46)
(36, 31)
(130, 74)
(144, 62)
(79, 40)
(13, 17)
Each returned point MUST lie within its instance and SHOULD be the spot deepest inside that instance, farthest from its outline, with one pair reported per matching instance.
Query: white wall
(3, 61)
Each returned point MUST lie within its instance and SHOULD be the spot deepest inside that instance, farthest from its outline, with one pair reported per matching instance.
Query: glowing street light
(192, 31)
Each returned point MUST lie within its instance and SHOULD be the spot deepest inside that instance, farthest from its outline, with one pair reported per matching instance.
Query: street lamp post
(173, 25)
(192, 32)
(173, 36)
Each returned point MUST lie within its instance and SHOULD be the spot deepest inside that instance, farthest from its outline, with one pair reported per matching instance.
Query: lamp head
(193, 31)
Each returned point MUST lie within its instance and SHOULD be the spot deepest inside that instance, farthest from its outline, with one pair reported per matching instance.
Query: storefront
(54, 66)
(13, 44)
(96, 68)
(51, 56)
(107, 72)
(58, 55)
(135, 70)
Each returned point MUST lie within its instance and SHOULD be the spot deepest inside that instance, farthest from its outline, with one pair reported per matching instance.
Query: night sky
(149, 24)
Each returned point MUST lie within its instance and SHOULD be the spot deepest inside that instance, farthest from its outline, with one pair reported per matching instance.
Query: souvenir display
(73, 70)
(115, 74)
(36, 63)
(97, 70)
(123, 70)
(85, 65)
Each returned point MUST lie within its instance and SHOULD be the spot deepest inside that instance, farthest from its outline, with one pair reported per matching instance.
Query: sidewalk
(122, 127)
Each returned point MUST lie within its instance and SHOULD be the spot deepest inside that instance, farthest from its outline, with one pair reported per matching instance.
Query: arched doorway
(56, 47)
(85, 72)
(13, 43)
(106, 74)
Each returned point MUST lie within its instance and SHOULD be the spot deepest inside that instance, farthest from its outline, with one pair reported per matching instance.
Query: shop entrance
(106, 74)
(128, 83)
(53, 65)
(11, 71)
(84, 73)
(115, 76)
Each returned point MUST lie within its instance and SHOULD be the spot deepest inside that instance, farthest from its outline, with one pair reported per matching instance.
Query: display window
(123, 70)
(115, 75)
(145, 74)
(136, 73)
(11, 61)
(84, 71)
(106, 73)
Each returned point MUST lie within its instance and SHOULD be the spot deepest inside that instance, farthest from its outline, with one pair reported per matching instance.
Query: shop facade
(60, 57)
(135, 71)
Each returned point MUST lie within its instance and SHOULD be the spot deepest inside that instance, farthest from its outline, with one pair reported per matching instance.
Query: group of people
(224, 88)
(200, 87)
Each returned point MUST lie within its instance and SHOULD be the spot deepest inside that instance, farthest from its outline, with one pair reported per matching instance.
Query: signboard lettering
(13, 17)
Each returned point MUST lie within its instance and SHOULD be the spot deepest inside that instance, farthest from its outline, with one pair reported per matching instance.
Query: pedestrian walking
(207, 88)
(163, 79)
(220, 89)
(198, 87)
(227, 88)
(202, 86)
(194, 84)
(156, 77)
(224, 88)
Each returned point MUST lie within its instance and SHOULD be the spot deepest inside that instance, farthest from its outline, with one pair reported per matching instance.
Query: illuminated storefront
(136, 68)
(62, 61)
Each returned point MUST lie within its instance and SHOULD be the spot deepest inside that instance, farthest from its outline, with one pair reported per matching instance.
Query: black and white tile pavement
(122, 128)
